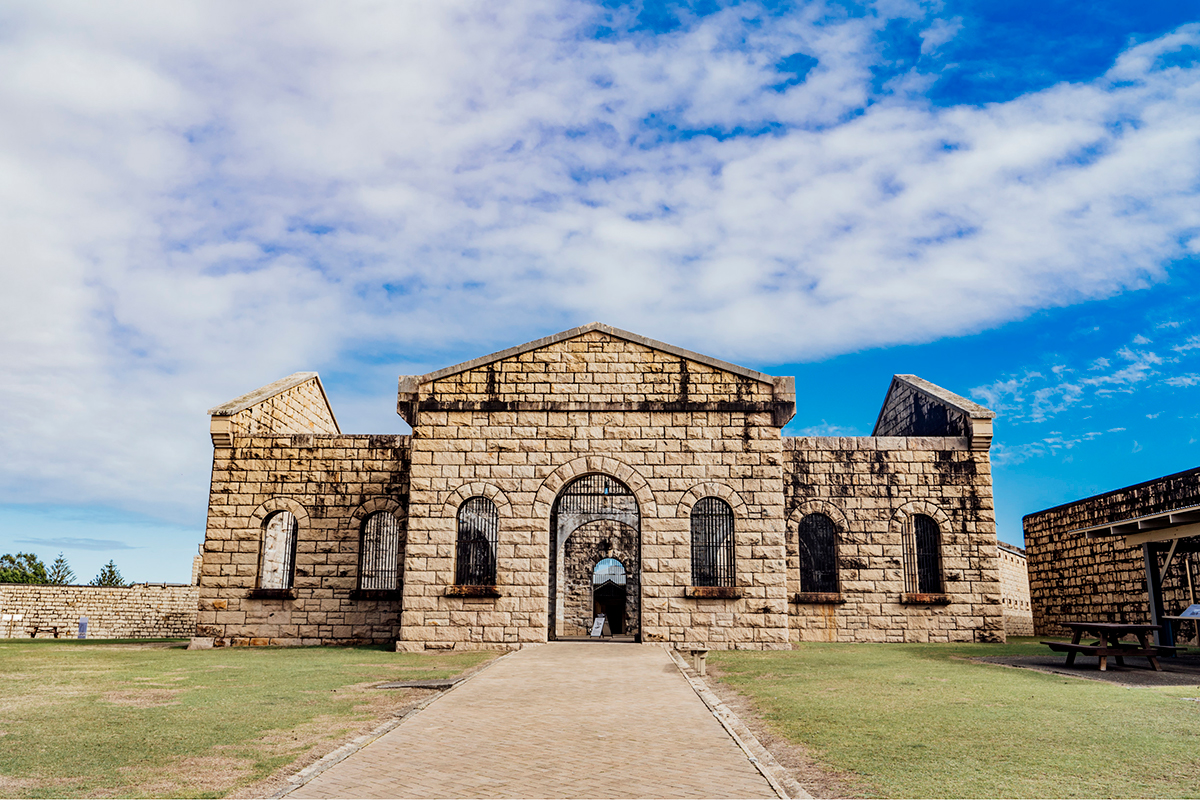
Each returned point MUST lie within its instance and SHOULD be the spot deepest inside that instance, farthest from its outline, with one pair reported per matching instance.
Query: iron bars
(478, 535)
(922, 556)
(712, 543)
(818, 554)
(379, 560)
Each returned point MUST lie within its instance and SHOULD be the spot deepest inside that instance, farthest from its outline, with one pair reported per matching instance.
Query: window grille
(596, 494)
(712, 543)
(380, 563)
(278, 565)
(478, 532)
(922, 557)
(818, 554)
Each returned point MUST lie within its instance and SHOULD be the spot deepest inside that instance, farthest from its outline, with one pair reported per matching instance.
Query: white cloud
(197, 198)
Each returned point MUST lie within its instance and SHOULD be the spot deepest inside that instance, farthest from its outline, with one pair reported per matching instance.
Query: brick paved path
(567, 719)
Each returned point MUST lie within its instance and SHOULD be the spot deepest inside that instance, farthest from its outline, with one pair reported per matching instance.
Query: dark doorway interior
(609, 600)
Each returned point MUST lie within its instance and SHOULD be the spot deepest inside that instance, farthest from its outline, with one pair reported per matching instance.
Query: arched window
(818, 554)
(478, 531)
(712, 542)
(922, 556)
(278, 565)
(380, 558)
(608, 569)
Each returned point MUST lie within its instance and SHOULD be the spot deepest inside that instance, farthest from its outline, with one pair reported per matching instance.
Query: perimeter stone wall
(330, 483)
(1072, 577)
(1014, 591)
(141, 611)
(870, 487)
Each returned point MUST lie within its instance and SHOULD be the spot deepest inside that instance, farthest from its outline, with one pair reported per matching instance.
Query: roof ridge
(573, 333)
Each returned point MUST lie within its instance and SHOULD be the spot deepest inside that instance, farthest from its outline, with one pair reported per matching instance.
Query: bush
(22, 568)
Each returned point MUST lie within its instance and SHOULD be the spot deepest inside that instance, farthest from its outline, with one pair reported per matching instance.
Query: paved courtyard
(567, 719)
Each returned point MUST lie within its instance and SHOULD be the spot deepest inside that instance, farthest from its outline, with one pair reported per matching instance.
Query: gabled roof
(653, 344)
(270, 390)
(969, 408)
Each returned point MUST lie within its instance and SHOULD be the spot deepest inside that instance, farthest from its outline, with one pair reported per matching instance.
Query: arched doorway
(595, 517)
(609, 594)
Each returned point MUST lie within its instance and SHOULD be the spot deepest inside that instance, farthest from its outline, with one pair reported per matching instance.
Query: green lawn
(921, 721)
(105, 719)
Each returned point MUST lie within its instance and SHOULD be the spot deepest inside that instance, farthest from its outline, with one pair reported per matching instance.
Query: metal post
(1164, 637)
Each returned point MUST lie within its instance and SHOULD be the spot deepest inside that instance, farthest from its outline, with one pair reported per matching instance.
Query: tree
(109, 576)
(60, 572)
(22, 568)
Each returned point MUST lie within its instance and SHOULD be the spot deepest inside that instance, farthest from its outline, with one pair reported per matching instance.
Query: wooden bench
(1104, 651)
(33, 632)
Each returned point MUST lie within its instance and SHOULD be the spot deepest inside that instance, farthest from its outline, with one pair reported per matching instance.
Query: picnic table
(1108, 642)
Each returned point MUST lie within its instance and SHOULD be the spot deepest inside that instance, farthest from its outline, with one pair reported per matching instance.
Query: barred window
(380, 560)
(818, 554)
(278, 565)
(478, 526)
(922, 556)
(712, 543)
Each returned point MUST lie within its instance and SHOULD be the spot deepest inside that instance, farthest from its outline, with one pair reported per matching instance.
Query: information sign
(598, 625)
(1191, 611)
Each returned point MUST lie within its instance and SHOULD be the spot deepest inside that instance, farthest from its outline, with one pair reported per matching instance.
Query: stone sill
(272, 594)
(473, 591)
(918, 599)
(813, 598)
(713, 592)
(377, 594)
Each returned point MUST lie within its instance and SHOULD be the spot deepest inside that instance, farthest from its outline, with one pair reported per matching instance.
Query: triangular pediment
(606, 331)
(597, 366)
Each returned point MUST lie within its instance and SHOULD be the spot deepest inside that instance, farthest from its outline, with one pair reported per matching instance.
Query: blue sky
(201, 198)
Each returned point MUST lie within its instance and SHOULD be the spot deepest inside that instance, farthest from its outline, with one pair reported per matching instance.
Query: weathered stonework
(869, 486)
(141, 611)
(1014, 591)
(672, 428)
(1073, 577)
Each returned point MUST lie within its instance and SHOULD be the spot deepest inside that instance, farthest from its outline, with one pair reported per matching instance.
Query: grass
(100, 718)
(922, 721)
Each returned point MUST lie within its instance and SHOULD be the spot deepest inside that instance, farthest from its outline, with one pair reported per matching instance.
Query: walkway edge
(781, 781)
(359, 742)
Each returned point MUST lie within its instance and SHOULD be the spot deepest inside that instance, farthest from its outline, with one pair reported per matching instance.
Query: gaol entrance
(595, 558)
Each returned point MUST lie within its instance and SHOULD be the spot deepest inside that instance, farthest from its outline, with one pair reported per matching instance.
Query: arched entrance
(595, 517)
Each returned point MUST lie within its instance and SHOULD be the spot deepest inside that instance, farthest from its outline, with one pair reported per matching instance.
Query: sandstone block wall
(1014, 591)
(674, 427)
(1072, 577)
(330, 483)
(869, 487)
(141, 611)
(644, 425)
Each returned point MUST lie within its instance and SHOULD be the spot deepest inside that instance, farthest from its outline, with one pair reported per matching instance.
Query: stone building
(1099, 558)
(1014, 590)
(597, 471)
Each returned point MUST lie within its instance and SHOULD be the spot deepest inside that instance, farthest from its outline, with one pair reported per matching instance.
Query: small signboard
(1191, 611)
(599, 625)
(83, 627)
